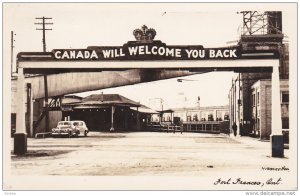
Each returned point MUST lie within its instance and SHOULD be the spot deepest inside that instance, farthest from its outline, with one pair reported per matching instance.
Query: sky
(174, 94)
(81, 25)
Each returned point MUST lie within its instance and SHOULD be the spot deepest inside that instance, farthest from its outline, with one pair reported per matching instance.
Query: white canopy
(144, 109)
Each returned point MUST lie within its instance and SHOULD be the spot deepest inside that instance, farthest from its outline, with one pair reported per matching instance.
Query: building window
(226, 117)
(285, 97)
(188, 118)
(203, 116)
(195, 117)
(210, 117)
(253, 100)
(257, 98)
(13, 123)
(219, 116)
(285, 123)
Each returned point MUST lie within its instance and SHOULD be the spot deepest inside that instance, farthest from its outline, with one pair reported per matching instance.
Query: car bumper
(60, 133)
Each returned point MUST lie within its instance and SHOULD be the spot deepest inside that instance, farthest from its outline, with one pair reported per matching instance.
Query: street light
(189, 80)
(198, 97)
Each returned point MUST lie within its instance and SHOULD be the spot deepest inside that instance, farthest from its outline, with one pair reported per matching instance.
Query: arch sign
(147, 51)
(145, 48)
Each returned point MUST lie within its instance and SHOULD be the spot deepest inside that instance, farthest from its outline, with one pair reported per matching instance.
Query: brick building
(262, 110)
(241, 98)
(210, 113)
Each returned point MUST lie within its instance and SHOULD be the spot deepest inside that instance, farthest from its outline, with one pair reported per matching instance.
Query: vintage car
(70, 128)
(81, 127)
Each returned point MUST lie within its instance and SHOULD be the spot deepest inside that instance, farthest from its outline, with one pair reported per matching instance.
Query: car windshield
(78, 123)
(64, 123)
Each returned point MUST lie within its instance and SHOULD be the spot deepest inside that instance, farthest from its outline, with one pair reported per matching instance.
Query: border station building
(104, 112)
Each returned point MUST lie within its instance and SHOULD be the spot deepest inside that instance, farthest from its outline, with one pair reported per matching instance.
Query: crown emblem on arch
(144, 34)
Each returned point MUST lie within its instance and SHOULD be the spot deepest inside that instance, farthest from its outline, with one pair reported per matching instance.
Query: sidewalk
(247, 140)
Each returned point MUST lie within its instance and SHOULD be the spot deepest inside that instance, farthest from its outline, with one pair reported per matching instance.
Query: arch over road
(144, 61)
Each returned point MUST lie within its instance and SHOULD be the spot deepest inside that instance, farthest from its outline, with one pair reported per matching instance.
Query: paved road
(145, 153)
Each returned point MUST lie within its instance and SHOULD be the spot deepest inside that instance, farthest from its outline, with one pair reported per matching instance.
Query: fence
(164, 127)
(206, 126)
(194, 126)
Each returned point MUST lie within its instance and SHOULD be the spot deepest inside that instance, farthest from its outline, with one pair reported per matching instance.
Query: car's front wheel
(85, 133)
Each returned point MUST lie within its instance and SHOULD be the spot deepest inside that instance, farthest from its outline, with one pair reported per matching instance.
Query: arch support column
(20, 137)
(276, 132)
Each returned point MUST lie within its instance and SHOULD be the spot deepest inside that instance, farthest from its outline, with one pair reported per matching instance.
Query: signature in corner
(240, 181)
(283, 168)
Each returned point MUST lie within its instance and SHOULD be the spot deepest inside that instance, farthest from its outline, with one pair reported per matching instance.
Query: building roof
(67, 99)
(226, 107)
(144, 109)
(106, 100)
(166, 111)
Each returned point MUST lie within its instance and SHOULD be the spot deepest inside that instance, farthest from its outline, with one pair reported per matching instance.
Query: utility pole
(44, 29)
(12, 51)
